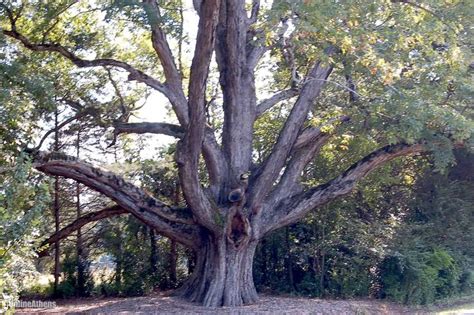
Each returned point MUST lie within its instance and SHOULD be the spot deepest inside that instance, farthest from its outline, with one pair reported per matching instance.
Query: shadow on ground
(164, 304)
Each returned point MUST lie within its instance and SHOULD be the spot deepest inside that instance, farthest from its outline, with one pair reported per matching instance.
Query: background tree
(23, 194)
(22, 202)
(402, 67)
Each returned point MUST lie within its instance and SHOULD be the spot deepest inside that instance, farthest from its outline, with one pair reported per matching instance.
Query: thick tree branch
(160, 43)
(238, 86)
(254, 12)
(268, 103)
(211, 151)
(189, 150)
(163, 50)
(272, 166)
(255, 52)
(171, 222)
(293, 209)
(77, 224)
(172, 89)
(216, 163)
(307, 146)
(311, 134)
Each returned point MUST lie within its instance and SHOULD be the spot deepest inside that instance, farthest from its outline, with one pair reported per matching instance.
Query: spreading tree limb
(172, 222)
(149, 127)
(295, 208)
(163, 50)
(134, 73)
(272, 166)
(307, 146)
(77, 224)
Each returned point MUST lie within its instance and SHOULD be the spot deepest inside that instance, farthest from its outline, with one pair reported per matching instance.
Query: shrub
(419, 277)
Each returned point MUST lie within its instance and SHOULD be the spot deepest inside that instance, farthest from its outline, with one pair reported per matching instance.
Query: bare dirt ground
(164, 304)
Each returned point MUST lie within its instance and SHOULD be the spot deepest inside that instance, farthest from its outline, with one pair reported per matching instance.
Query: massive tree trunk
(225, 218)
(223, 274)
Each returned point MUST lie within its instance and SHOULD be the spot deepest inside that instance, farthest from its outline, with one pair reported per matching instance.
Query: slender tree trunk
(289, 260)
(56, 209)
(57, 252)
(80, 258)
(223, 274)
(323, 263)
(173, 257)
(153, 253)
(118, 268)
(274, 255)
(191, 255)
(264, 251)
(323, 270)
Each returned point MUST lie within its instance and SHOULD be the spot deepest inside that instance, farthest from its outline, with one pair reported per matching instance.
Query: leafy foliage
(419, 277)
(21, 206)
(405, 238)
(141, 258)
(402, 73)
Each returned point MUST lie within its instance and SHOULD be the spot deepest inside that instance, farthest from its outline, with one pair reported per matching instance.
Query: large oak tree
(393, 72)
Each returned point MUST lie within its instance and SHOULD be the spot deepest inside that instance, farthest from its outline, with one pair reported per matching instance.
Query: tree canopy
(262, 95)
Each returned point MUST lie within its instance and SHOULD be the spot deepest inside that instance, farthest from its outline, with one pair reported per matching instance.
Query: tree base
(223, 275)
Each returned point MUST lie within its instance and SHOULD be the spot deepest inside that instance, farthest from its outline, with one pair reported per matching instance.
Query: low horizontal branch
(175, 223)
(213, 156)
(295, 208)
(77, 224)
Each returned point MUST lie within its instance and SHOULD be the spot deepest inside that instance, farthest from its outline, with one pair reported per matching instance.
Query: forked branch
(293, 209)
(307, 146)
(189, 150)
(272, 166)
(163, 50)
(268, 103)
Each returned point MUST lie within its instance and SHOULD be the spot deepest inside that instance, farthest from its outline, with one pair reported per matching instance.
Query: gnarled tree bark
(224, 221)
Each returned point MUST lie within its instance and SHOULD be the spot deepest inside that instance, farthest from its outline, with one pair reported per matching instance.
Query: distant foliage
(141, 258)
(21, 205)
(419, 277)
(405, 238)
(69, 286)
(432, 256)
